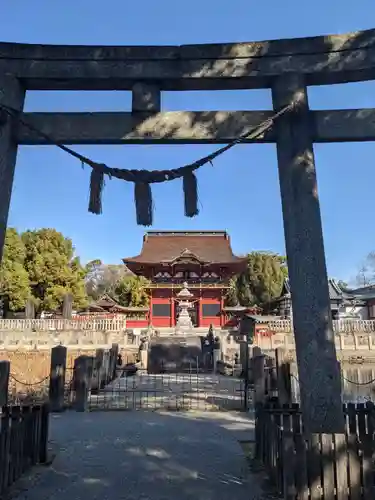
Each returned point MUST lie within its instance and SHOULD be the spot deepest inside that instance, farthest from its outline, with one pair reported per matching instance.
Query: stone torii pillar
(12, 95)
(319, 373)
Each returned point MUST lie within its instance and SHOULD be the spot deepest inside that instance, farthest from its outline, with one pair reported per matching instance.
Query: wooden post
(12, 94)
(320, 381)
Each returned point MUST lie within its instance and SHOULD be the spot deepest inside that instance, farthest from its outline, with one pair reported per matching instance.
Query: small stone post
(57, 378)
(4, 382)
(259, 376)
(247, 328)
(216, 353)
(283, 377)
(114, 353)
(83, 367)
(99, 365)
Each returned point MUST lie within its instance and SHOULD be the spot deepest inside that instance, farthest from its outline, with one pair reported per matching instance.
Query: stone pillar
(83, 366)
(173, 312)
(319, 375)
(144, 358)
(258, 376)
(99, 364)
(216, 353)
(113, 364)
(106, 367)
(13, 95)
(200, 315)
(4, 382)
(57, 378)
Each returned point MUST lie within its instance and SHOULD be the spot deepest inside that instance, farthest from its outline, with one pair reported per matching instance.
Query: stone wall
(27, 367)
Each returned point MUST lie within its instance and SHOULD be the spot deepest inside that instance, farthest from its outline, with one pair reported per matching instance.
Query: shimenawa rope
(143, 178)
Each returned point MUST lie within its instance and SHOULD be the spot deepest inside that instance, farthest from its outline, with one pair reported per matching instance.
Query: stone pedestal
(57, 378)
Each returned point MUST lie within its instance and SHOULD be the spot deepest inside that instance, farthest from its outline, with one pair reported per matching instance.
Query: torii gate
(285, 66)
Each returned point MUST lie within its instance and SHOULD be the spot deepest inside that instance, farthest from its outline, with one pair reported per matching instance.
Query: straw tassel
(191, 194)
(143, 203)
(96, 191)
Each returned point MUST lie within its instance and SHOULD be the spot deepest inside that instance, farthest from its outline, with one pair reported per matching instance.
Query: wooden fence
(320, 466)
(23, 441)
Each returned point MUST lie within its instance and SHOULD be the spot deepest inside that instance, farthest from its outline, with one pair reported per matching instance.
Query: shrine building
(202, 259)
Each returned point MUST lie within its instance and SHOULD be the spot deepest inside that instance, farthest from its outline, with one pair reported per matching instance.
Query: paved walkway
(144, 455)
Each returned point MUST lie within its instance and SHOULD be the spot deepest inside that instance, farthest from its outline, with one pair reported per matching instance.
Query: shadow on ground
(147, 455)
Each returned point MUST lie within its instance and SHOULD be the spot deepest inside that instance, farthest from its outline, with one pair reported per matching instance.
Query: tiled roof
(167, 246)
(335, 292)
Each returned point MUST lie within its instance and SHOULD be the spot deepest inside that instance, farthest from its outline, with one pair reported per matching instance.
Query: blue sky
(241, 194)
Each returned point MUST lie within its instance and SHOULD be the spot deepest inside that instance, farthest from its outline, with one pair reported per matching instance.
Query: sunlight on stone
(157, 453)
(93, 480)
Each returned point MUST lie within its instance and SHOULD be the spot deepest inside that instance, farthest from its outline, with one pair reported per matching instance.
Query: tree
(14, 280)
(102, 278)
(261, 282)
(366, 273)
(343, 285)
(131, 291)
(53, 269)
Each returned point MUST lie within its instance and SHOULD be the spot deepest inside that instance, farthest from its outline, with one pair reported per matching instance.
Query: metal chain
(359, 384)
(28, 384)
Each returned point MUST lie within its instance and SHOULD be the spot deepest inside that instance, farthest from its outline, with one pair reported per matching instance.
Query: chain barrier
(28, 384)
(359, 384)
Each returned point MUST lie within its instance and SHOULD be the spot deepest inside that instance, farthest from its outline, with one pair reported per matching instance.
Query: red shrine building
(202, 259)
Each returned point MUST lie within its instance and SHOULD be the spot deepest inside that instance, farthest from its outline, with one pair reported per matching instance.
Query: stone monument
(184, 303)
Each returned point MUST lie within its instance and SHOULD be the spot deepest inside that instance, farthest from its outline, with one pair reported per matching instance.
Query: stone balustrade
(50, 325)
(339, 326)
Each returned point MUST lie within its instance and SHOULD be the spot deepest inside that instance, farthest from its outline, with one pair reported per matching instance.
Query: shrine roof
(208, 247)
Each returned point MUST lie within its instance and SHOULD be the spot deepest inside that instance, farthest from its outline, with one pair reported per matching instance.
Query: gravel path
(145, 455)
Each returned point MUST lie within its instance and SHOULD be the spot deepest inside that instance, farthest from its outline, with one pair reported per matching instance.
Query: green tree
(14, 280)
(53, 269)
(131, 291)
(261, 282)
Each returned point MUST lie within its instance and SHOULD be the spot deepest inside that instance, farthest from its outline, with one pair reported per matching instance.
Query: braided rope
(142, 179)
(151, 176)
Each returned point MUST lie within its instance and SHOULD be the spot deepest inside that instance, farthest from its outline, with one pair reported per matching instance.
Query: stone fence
(51, 325)
(119, 324)
(355, 341)
(75, 339)
(339, 326)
